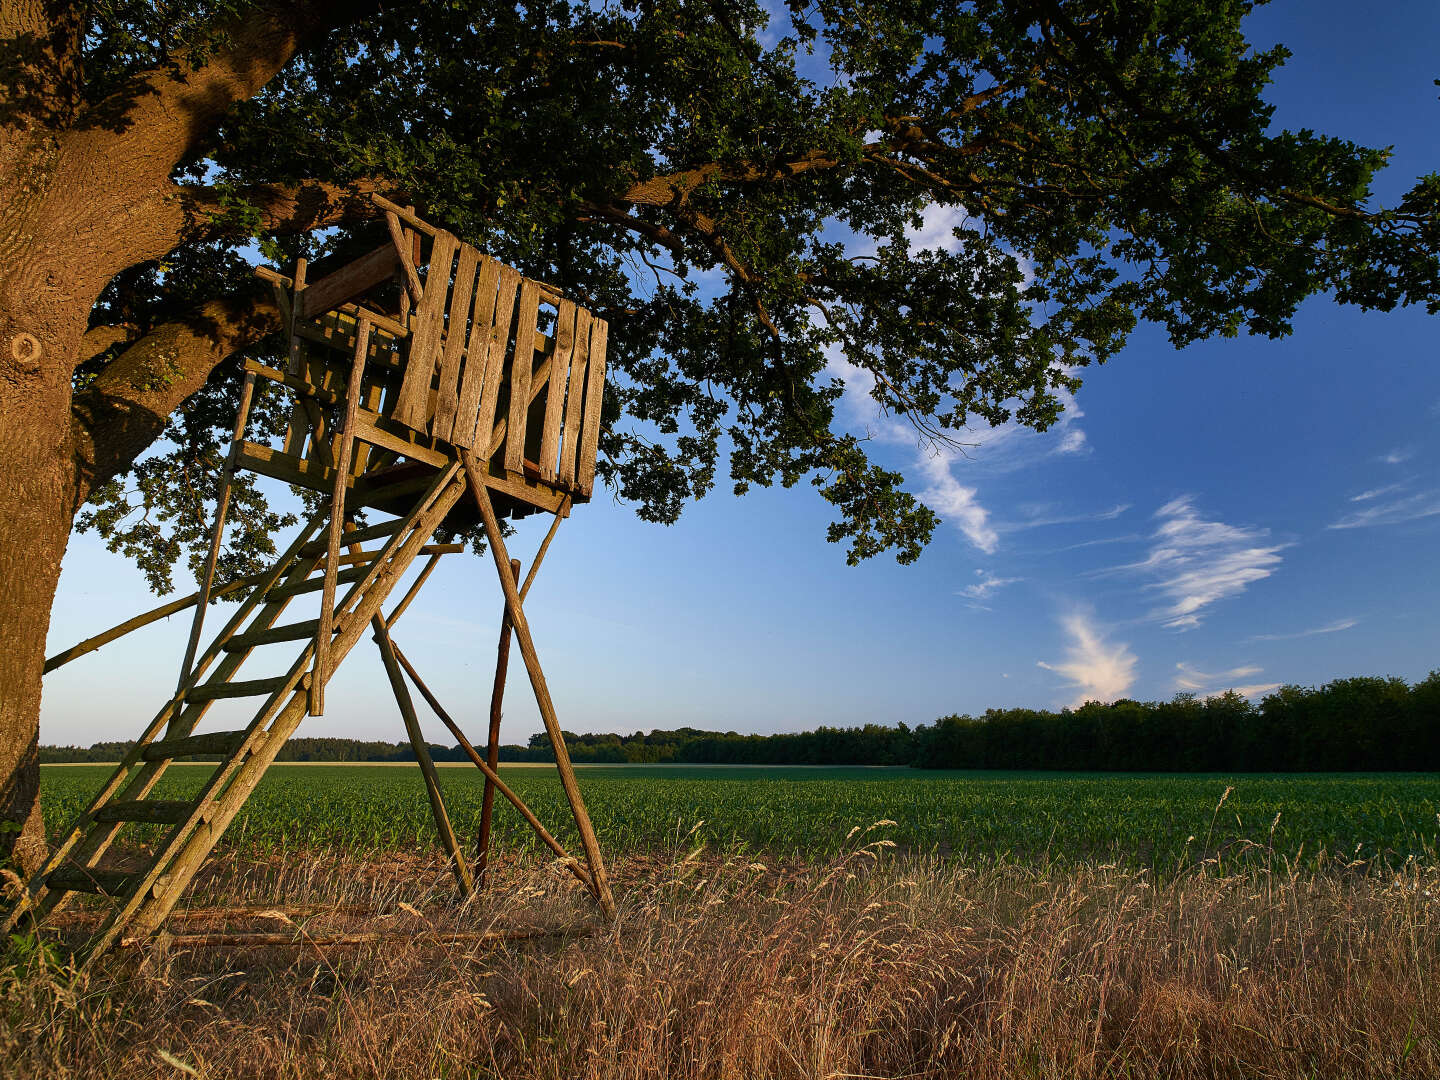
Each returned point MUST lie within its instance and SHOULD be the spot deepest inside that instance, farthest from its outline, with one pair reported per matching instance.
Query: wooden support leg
(325, 626)
(222, 508)
(422, 754)
(491, 776)
(492, 747)
(496, 542)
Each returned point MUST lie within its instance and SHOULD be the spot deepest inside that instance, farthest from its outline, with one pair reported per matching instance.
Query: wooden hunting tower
(434, 390)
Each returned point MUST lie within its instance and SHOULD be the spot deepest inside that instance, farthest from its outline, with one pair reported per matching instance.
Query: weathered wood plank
(308, 585)
(210, 744)
(214, 691)
(349, 281)
(401, 247)
(413, 403)
(279, 465)
(495, 356)
(251, 639)
(477, 352)
(575, 400)
(156, 811)
(447, 399)
(405, 214)
(555, 392)
(594, 395)
(92, 880)
(521, 367)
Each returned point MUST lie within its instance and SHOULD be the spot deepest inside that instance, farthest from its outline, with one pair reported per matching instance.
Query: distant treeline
(295, 750)
(1360, 724)
(1349, 725)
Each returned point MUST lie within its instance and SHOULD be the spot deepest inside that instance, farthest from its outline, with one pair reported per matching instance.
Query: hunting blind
(434, 390)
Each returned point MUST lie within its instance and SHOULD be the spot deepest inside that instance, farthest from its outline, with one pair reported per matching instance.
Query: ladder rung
(223, 743)
(359, 536)
(160, 811)
(80, 879)
(343, 577)
(289, 632)
(244, 688)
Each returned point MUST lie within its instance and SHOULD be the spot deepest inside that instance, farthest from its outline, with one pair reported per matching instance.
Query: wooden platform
(459, 352)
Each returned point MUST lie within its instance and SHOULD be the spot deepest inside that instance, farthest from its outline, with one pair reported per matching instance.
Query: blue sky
(1241, 513)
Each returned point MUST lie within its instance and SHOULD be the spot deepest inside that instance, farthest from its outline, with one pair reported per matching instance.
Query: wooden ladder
(142, 897)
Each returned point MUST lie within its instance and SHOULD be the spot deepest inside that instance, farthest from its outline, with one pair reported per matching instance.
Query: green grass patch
(1164, 822)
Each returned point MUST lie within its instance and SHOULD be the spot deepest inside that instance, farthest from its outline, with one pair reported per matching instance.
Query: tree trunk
(37, 485)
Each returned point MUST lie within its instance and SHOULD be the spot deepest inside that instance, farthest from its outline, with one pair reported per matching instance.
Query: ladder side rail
(286, 566)
(96, 837)
(423, 508)
(191, 842)
(121, 782)
(190, 717)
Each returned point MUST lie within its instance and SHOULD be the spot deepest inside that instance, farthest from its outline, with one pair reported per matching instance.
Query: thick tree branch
(169, 109)
(99, 338)
(125, 408)
(205, 213)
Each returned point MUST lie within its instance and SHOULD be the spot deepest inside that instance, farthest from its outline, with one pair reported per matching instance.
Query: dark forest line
(1365, 724)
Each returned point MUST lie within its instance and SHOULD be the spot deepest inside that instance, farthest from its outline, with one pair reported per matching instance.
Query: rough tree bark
(85, 192)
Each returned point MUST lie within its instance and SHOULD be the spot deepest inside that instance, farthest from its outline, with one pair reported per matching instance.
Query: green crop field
(1161, 822)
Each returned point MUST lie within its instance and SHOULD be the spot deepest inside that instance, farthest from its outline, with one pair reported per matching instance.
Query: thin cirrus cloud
(1329, 628)
(1398, 456)
(987, 584)
(1411, 508)
(1006, 447)
(1197, 562)
(1040, 516)
(1190, 678)
(1098, 670)
(1375, 493)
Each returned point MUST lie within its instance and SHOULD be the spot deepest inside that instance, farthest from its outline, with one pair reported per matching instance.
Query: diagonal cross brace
(496, 544)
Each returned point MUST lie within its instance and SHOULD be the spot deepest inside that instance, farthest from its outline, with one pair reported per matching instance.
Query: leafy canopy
(734, 187)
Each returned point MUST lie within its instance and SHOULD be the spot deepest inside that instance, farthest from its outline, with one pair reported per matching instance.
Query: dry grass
(865, 967)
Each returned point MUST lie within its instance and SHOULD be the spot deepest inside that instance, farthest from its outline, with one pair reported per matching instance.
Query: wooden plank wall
(475, 370)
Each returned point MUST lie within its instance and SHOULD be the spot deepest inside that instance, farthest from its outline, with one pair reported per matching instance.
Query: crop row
(1158, 821)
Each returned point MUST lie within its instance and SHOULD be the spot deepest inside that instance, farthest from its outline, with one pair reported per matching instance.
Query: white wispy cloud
(1035, 517)
(1398, 456)
(1375, 493)
(956, 502)
(987, 584)
(1126, 538)
(1329, 628)
(1096, 668)
(1190, 678)
(1422, 505)
(1008, 446)
(1199, 562)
